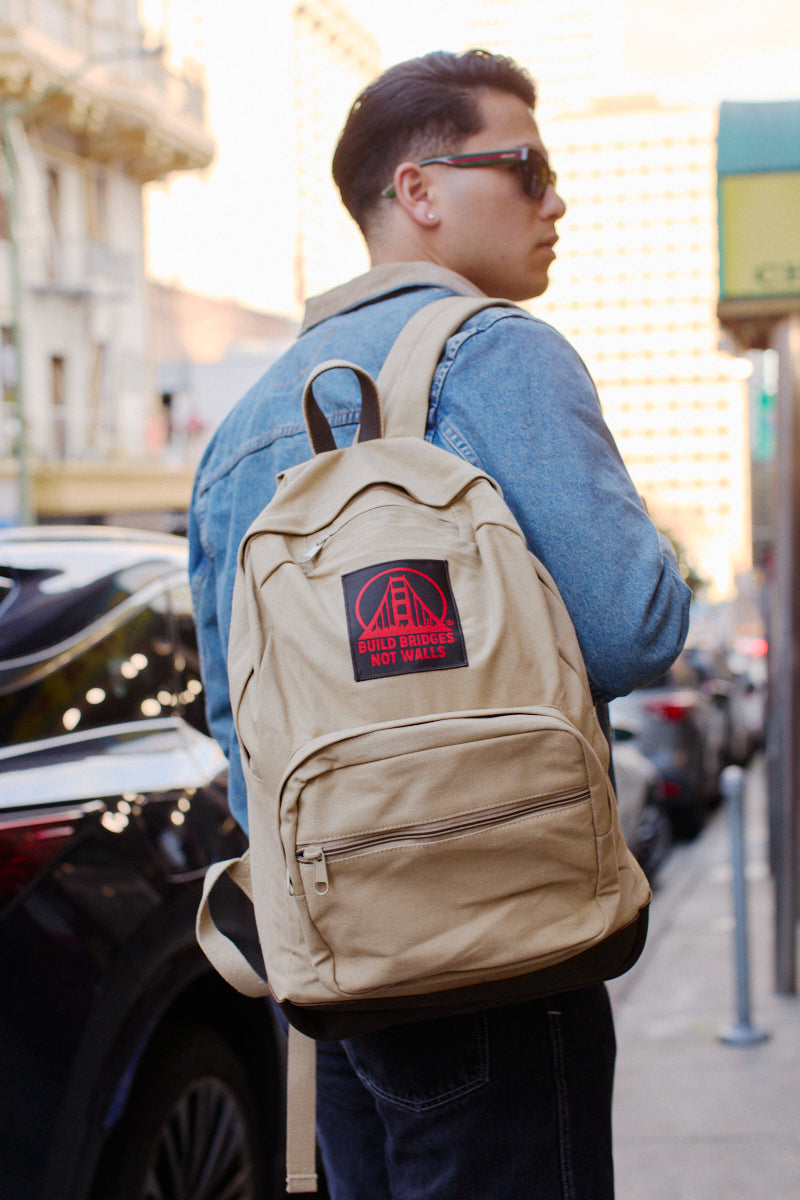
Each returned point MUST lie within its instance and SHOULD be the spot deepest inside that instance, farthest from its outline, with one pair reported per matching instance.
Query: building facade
(635, 284)
(92, 109)
(635, 290)
(208, 352)
(334, 58)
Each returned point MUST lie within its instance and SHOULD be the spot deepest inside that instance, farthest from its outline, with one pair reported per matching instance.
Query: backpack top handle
(406, 377)
(317, 424)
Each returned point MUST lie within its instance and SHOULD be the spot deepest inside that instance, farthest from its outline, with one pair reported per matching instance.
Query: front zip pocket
(428, 832)
(421, 854)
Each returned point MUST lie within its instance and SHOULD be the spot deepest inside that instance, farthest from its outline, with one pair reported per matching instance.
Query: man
(442, 165)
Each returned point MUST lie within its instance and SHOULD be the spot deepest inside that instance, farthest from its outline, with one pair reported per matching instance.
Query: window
(125, 676)
(59, 407)
(53, 194)
(8, 364)
(191, 704)
(97, 391)
(97, 206)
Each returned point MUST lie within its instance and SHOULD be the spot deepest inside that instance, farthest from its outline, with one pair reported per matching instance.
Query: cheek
(508, 237)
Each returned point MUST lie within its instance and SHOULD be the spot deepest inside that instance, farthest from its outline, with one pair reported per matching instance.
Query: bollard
(742, 1032)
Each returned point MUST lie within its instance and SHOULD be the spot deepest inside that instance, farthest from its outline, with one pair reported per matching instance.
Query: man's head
(416, 109)
(492, 219)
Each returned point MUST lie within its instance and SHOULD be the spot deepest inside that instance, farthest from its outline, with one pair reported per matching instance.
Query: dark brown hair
(416, 109)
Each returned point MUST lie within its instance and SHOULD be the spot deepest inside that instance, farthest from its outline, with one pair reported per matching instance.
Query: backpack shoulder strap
(301, 1086)
(223, 954)
(405, 381)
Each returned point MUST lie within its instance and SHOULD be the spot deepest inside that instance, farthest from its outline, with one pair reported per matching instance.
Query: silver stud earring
(431, 216)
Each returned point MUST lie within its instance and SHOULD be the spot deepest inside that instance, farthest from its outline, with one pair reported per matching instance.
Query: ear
(414, 195)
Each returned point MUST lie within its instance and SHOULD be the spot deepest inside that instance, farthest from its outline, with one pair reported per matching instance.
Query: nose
(551, 204)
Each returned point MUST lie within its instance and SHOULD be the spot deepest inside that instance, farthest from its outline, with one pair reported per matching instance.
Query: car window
(6, 586)
(191, 703)
(49, 607)
(125, 676)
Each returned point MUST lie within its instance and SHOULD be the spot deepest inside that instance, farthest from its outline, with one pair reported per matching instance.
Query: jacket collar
(382, 281)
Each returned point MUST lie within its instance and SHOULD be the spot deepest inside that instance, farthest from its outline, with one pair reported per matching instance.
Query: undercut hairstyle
(416, 109)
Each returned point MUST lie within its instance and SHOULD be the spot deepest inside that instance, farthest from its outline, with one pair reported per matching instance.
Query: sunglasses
(533, 169)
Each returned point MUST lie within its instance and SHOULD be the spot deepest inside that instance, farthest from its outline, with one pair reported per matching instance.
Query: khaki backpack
(432, 823)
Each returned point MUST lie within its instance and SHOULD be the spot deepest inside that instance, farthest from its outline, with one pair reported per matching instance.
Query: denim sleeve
(212, 646)
(512, 396)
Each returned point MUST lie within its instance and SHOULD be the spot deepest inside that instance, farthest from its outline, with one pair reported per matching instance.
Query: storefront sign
(758, 170)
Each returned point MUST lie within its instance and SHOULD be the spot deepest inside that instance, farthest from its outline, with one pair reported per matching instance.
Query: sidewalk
(696, 1118)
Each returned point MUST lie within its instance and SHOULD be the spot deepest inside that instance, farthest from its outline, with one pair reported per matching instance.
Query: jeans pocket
(423, 1065)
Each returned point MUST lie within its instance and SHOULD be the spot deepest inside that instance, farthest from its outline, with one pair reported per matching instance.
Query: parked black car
(737, 682)
(130, 1070)
(681, 724)
(643, 813)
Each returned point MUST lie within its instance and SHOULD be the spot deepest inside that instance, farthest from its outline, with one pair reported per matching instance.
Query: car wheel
(191, 1131)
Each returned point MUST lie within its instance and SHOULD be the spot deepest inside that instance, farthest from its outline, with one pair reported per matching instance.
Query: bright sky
(230, 231)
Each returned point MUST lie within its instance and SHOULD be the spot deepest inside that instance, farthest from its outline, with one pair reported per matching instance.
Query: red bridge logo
(402, 617)
(401, 609)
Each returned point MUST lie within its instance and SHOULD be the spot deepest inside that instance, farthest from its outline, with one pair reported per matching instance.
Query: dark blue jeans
(509, 1104)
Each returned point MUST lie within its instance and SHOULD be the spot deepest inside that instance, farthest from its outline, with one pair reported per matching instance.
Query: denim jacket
(510, 395)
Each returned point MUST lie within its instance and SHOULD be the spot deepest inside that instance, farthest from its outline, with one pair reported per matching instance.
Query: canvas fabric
(432, 822)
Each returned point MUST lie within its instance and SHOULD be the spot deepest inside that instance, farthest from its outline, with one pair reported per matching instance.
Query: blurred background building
(334, 57)
(93, 108)
(635, 288)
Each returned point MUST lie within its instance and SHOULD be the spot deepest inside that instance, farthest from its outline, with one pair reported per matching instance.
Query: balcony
(80, 267)
(99, 91)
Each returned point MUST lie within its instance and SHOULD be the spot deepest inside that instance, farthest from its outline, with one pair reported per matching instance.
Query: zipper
(407, 510)
(318, 855)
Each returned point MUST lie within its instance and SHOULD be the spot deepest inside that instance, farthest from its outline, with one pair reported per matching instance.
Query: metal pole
(25, 511)
(742, 1032)
(784, 725)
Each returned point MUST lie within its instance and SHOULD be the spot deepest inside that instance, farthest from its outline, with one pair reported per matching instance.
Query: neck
(406, 244)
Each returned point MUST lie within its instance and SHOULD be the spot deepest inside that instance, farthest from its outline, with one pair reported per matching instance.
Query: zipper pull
(316, 856)
(311, 554)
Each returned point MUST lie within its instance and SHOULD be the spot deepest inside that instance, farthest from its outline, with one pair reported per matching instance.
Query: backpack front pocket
(428, 853)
